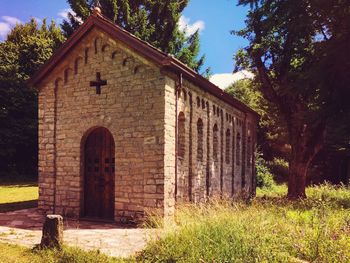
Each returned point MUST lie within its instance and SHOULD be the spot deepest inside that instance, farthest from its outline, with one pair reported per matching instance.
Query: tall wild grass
(268, 229)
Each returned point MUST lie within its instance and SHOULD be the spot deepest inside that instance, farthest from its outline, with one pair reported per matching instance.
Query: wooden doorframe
(82, 172)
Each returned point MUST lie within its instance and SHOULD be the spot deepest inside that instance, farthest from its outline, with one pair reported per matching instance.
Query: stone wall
(138, 105)
(131, 107)
(216, 147)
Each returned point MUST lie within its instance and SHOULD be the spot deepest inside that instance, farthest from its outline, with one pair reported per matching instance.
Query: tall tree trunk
(297, 179)
(305, 146)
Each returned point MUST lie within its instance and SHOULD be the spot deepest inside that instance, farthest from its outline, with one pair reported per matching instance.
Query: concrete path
(23, 227)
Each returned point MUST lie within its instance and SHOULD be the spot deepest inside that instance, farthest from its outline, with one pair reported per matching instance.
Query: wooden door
(99, 175)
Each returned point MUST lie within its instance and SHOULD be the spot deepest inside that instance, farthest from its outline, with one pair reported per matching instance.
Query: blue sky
(214, 18)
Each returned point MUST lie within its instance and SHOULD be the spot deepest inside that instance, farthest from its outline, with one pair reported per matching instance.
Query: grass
(268, 228)
(18, 196)
(17, 254)
(10, 253)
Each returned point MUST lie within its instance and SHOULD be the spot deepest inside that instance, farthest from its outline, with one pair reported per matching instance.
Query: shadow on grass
(8, 207)
(18, 185)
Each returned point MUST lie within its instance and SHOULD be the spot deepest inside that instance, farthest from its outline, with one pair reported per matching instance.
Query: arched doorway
(99, 169)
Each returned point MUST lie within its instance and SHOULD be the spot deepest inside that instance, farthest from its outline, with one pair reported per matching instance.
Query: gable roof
(164, 60)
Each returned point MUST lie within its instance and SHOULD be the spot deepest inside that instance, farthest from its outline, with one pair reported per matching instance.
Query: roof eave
(208, 86)
(160, 58)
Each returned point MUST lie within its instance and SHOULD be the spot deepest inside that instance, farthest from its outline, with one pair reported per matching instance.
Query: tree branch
(267, 87)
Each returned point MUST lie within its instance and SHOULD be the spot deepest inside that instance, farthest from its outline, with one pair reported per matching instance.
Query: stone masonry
(225, 167)
(215, 142)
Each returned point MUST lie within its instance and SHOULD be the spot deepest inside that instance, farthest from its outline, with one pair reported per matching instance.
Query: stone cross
(98, 83)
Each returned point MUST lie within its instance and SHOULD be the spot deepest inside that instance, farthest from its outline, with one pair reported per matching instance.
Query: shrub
(264, 178)
(279, 167)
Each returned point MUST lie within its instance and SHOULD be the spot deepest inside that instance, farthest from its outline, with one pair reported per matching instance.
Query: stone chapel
(125, 129)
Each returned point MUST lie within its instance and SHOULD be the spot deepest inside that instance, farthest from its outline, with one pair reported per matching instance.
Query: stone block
(52, 236)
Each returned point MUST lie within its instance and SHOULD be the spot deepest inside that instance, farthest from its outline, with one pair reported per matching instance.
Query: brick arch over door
(99, 174)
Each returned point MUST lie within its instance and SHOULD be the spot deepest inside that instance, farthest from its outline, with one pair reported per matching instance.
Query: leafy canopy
(26, 48)
(153, 21)
(271, 129)
(298, 51)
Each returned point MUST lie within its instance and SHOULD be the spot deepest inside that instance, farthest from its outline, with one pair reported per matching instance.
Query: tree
(271, 130)
(153, 21)
(298, 51)
(26, 48)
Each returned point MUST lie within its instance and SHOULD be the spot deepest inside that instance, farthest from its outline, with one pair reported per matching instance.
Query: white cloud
(63, 15)
(11, 20)
(8, 23)
(226, 79)
(188, 28)
(4, 29)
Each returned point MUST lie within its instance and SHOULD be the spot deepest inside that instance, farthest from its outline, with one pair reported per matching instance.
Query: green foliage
(26, 48)
(246, 91)
(189, 51)
(297, 51)
(279, 168)
(272, 135)
(264, 178)
(270, 229)
(153, 21)
(271, 130)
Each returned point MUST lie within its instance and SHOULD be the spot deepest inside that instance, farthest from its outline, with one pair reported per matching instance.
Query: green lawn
(18, 196)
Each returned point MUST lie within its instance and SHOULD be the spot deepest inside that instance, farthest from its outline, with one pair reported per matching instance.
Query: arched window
(198, 102)
(238, 149)
(228, 146)
(200, 140)
(215, 143)
(181, 136)
(249, 152)
(97, 44)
